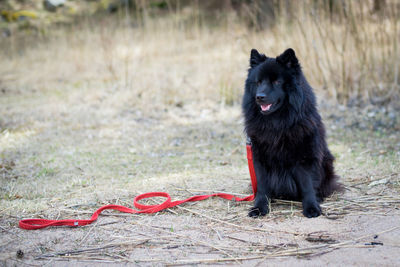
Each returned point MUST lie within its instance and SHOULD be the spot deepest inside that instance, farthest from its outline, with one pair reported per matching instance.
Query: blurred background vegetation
(187, 51)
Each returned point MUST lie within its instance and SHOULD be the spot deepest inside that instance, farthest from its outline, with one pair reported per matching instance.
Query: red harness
(32, 224)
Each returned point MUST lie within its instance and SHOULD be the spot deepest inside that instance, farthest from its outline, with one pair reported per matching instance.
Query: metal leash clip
(248, 141)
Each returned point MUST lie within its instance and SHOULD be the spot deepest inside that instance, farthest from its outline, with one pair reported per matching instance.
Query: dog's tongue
(265, 107)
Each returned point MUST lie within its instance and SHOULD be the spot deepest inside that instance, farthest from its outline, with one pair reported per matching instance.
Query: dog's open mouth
(265, 107)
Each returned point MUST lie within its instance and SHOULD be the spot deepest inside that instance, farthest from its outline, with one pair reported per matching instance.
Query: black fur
(291, 157)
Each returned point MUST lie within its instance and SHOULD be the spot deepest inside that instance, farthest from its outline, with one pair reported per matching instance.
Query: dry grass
(348, 52)
(100, 114)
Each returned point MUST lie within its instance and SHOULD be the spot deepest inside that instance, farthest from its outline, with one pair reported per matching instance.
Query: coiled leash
(32, 224)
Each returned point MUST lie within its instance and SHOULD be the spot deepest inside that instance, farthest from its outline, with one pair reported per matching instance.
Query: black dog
(291, 158)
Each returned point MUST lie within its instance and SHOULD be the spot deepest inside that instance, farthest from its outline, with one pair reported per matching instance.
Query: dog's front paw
(258, 211)
(311, 209)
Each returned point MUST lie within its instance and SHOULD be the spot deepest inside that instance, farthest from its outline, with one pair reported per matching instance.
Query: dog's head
(272, 81)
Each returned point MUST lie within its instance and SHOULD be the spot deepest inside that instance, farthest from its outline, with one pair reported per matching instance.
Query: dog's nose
(260, 97)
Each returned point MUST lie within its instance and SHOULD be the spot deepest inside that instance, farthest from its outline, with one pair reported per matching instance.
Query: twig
(248, 228)
(192, 261)
(218, 234)
(78, 251)
(90, 230)
(86, 259)
(208, 191)
(253, 243)
(102, 214)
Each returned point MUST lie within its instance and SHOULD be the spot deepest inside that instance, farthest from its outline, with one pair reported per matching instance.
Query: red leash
(32, 224)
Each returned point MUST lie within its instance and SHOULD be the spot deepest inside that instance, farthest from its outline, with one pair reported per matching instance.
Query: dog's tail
(330, 182)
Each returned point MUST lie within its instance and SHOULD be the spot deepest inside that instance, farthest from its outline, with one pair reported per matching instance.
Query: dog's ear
(256, 58)
(288, 59)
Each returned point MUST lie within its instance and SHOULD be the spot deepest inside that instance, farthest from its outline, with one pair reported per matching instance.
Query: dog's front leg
(261, 202)
(304, 182)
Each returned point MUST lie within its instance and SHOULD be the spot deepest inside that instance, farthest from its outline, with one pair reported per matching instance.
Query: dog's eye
(277, 82)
